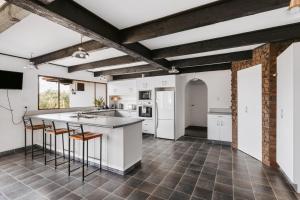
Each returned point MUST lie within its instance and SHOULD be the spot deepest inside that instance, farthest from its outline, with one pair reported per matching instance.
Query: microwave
(145, 95)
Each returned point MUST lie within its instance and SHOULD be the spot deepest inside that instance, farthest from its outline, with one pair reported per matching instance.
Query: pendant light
(294, 4)
(173, 70)
(81, 53)
(31, 64)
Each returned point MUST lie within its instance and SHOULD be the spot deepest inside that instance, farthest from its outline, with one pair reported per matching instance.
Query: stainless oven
(145, 111)
(145, 95)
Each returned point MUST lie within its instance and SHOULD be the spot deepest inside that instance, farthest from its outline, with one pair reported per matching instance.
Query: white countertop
(95, 120)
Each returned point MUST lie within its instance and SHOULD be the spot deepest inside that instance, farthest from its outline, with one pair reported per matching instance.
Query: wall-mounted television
(11, 80)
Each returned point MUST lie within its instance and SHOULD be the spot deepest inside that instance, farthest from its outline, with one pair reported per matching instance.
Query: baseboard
(14, 151)
(293, 185)
(219, 142)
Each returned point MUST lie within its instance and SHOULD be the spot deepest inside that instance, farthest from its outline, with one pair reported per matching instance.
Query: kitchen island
(122, 138)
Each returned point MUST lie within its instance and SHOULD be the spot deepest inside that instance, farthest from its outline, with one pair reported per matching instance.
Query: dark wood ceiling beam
(129, 70)
(205, 68)
(10, 15)
(75, 17)
(275, 34)
(66, 52)
(201, 16)
(103, 63)
(214, 59)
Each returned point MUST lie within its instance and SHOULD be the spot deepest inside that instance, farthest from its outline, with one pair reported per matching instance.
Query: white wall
(218, 88)
(83, 98)
(12, 136)
(288, 113)
(196, 104)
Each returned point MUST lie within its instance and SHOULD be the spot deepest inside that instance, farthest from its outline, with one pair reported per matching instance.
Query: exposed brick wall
(265, 55)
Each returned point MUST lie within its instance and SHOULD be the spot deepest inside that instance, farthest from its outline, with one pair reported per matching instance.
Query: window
(57, 93)
(48, 93)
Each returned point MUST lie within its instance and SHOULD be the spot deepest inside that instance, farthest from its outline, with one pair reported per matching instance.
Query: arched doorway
(196, 108)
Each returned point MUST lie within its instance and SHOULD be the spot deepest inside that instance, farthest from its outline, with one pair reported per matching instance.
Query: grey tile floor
(186, 169)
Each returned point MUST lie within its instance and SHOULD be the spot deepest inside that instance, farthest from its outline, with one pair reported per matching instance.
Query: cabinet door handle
(218, 123)
(221, 123)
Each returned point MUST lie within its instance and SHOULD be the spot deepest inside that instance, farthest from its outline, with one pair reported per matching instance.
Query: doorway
(196, 109)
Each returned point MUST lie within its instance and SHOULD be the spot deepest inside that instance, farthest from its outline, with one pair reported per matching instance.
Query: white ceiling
(36, 35)
(94, 56)
(241, 25)
(126, 13)
(118, 66)
(231, 50)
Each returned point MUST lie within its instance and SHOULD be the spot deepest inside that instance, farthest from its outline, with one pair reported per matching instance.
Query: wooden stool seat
(85, 136)
(38, 127)
(59, 131)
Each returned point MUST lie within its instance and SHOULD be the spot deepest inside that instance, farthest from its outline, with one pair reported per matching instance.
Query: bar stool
(56, 131)
(83, 137)
(28, 125)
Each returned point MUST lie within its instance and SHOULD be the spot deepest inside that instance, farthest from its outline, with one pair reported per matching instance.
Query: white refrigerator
(165, 113)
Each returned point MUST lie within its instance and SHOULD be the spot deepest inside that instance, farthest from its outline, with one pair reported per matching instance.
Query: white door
(250, 111)
(285, 96)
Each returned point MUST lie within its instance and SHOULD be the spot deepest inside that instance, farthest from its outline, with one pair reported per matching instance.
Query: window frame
(58, 89)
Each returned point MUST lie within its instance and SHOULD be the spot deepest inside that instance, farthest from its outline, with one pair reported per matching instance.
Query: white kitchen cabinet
(122, 88)
(110, 113)
(127, 113)
(164, 81)
(148, 126)
(220, 127)
(288, 114)
(144, 83)
(133, 114)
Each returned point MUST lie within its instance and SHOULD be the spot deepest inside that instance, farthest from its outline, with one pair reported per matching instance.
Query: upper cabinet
(130, 87)
(144, 83)
(127, 87)
(149, 83)
(164, 81)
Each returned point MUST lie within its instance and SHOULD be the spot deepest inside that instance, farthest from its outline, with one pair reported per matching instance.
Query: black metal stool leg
(55, 157)
(100, 154)
(25, 131)
(87, 153)
(32, 143)
(69, 159)
(73, 151)
(50, 144)
(45, 150)
(63, 145)
(83, 160)
(43, 140)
